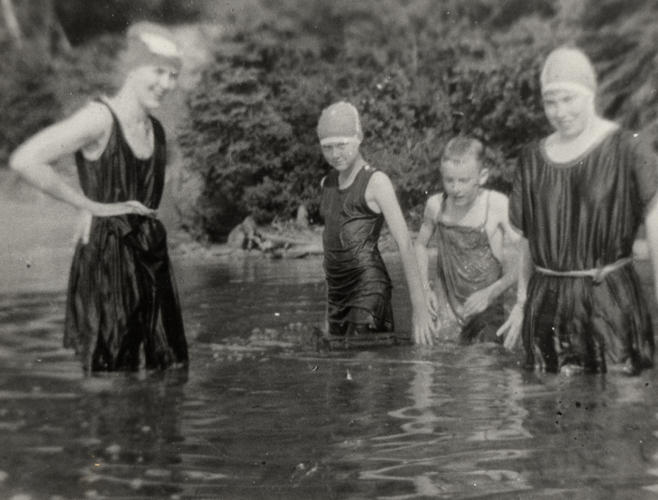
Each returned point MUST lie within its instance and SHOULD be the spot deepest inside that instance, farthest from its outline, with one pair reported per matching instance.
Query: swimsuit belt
(598, 274)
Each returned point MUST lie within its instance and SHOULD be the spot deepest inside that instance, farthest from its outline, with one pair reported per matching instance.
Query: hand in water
(477, 303)
(122, 208)
(511, 329)
(423, 327)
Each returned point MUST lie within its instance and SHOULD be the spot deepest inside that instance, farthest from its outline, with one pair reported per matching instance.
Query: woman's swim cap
(568, 68)
(339, 122)
(151, 45)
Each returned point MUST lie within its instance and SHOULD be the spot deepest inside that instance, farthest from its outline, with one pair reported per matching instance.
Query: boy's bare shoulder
(498, 206)
(497, 200)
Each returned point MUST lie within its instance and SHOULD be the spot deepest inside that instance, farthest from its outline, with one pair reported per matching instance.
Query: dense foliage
(39, 90)
(418, 73)
(83, 22)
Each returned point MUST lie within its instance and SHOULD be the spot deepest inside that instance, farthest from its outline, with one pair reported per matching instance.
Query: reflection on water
(262, 414)
(424, 454)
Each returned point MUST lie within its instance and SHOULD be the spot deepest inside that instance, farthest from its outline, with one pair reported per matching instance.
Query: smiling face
(341, 154)
(462, 178)
(152, 83)
(568, 111)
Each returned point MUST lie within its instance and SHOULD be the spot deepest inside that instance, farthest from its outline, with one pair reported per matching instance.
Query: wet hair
(461, 147)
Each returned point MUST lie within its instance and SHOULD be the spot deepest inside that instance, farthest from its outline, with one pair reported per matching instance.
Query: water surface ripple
(263, 414)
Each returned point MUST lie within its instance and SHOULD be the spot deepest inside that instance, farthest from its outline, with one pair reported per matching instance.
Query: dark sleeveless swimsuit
(121, 292)
(466, 264)
(358, 285)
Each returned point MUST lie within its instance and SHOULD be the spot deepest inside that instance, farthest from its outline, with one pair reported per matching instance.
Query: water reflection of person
(356, 200)
(578, 199)
(129, 428)
(121, 292)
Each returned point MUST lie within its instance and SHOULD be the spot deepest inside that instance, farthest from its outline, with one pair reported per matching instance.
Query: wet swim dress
(465, 264)
(578, 216)
(358, 285)
(121, 294)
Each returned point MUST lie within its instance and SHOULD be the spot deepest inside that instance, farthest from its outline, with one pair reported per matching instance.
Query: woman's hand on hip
(83, 227)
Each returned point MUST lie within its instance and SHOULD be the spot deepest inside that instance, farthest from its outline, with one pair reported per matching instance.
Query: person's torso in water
(469, 250)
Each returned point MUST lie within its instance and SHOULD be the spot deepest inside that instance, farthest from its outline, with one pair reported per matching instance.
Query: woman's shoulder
(636, 141)
(94, 115)
(531, 149)
(374, 178)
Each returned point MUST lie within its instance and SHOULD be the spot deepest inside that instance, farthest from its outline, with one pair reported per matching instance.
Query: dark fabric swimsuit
(466, 264)
(121, 292)
(358, 285)
(583, 215)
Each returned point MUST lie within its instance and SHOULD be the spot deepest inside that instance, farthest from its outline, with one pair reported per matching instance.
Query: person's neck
(566, 148)
(126, 104)
(591, 126)
(458, 212)
(346, 177)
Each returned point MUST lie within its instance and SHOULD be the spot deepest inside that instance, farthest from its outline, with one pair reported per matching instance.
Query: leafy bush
(27, 99)
(36, 91)
(83, 22)
(418, 74)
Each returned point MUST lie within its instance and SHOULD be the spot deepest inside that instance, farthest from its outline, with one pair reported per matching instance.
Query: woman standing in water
(356, 201)
(121, 292)
(578, 199)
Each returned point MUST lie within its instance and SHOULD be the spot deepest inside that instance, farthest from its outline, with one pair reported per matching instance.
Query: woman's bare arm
(382, 193)
(33, 160)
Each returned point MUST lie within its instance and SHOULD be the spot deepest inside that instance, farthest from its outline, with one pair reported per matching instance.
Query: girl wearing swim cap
(356, 200)
(578, 198)
(121, 293)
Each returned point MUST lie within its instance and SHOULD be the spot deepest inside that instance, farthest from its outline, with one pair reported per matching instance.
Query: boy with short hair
(356, 200)
(471, 223)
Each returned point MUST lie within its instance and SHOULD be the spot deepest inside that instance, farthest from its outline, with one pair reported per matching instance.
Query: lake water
(262, 414)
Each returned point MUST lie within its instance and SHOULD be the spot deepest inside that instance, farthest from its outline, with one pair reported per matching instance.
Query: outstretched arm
(381, 192)
(34, 158)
